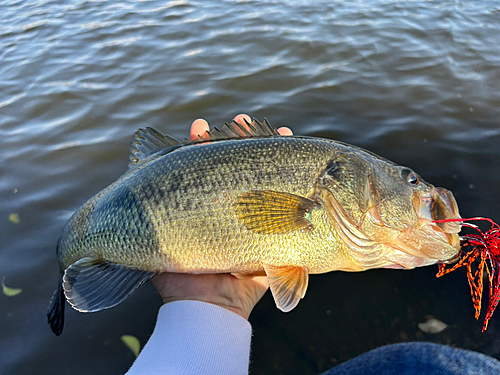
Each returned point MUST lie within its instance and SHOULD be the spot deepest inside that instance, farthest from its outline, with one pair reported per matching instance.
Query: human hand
(238, 295)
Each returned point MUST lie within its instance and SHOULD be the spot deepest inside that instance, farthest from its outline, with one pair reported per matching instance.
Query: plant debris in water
(132, 343)
(10, 292)
(485, 248)
(14, 218)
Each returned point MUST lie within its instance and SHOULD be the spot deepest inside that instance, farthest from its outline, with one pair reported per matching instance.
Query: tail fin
(55, 314)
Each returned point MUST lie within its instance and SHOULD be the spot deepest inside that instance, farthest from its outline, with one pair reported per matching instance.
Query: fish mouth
(436, 205)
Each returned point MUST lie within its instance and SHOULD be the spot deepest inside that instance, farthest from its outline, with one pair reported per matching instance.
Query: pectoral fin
(288, 285)
(94, 284)
(273, 212)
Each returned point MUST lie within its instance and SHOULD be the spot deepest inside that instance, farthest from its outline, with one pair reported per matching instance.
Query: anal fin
(288, 285)
(94, 284)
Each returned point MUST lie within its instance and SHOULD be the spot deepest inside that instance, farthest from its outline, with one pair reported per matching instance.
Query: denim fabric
(418, 358)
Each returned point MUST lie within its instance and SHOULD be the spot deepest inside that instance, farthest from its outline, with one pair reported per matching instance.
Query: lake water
(414, 81)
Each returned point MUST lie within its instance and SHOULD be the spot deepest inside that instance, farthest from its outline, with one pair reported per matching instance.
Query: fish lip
(443, 198)
(446, 237)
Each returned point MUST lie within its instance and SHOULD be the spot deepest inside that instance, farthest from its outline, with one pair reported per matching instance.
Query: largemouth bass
(286, 206)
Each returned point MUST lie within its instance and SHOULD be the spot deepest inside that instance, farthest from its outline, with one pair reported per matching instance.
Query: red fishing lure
(484, 247)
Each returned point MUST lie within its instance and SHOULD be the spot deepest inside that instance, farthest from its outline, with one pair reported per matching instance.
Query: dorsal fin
(264, 128)
(149, 141)
(146, 142)
(234, 130)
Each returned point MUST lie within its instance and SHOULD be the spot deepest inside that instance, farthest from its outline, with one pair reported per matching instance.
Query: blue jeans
(414, 358)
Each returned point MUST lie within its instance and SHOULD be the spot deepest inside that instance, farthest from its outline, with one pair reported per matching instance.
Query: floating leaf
(10, 292)
(132, 343)
(14, 218)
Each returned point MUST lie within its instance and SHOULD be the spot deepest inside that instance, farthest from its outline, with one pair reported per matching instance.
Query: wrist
(218, 301)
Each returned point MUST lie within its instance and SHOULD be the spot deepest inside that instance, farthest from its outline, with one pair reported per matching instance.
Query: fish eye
(410, 176)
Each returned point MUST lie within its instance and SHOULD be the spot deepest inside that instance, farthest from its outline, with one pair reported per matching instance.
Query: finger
(285, 131)
(199, 127)
(240, 119)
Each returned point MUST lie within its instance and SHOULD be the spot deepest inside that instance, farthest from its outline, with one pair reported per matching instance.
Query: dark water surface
(416, 82)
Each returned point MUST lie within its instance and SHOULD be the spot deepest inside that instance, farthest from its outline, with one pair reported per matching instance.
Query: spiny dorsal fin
(95, 284)
(217, 134)
(274, 212)
(235, 130)
(264, 128)
(149, 141)
(146, 142)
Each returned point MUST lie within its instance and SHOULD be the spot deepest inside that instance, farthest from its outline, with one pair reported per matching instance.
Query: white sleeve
(193, 337)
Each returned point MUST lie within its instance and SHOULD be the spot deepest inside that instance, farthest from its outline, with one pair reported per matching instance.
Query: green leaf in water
(132, 343)
(14, 218)
(10, 292)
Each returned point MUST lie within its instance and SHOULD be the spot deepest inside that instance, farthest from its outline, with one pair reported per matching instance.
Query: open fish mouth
(439, 204)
